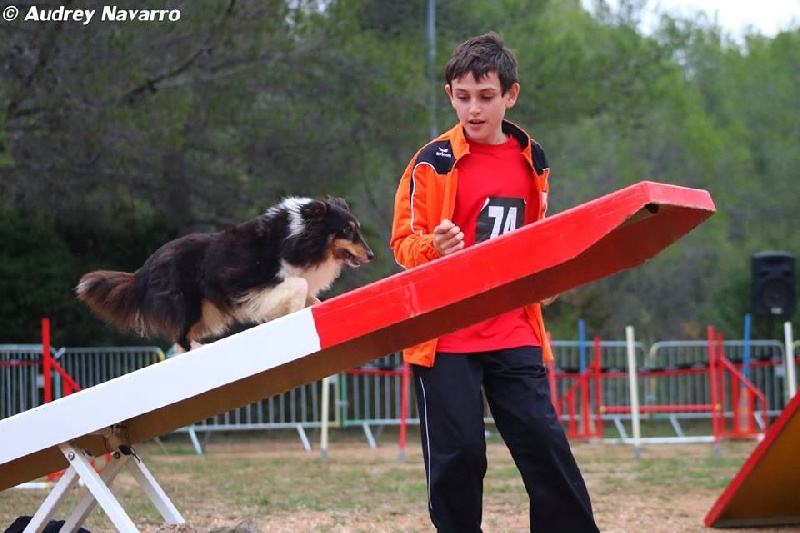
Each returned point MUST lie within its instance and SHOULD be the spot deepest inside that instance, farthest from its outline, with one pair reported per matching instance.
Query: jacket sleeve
(412, 231)
(543, 171)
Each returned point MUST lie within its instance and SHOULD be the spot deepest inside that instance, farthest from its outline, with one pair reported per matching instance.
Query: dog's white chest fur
(319, 277)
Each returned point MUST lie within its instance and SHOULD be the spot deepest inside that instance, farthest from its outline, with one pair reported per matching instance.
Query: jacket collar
(460, 145)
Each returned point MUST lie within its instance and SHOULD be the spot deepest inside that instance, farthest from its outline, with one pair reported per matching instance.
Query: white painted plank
(217, 365)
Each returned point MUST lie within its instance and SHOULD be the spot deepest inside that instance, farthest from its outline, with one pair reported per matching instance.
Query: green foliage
(113, 141)
(41, 263)
(34, 266)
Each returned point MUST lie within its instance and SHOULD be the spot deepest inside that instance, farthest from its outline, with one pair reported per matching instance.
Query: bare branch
(153, 83)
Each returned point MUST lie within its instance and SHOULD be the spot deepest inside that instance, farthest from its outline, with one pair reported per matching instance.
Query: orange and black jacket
(427, 194)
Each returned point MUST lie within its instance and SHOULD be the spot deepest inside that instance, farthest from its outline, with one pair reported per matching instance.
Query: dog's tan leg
(269, 304)
(196, 345)
(213, 322)
(312, 300)
(178, 350)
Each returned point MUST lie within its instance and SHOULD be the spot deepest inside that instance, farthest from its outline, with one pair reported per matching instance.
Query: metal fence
(765, 371)
(20, 378)
(370, 396)
(92, 366)
(297, 409)
(573, 357)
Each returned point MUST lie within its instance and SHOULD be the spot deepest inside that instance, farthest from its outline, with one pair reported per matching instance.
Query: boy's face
(481, 106)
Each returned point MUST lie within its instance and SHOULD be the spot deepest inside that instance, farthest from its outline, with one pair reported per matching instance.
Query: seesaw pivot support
(98, 487)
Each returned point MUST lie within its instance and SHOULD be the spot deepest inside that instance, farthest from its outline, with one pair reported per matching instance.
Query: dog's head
(346, 242)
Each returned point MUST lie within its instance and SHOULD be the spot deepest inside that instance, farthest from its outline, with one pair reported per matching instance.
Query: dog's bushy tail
(124, 300)
(113, 297)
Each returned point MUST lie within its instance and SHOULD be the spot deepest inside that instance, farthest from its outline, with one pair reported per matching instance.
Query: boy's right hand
(447, 238)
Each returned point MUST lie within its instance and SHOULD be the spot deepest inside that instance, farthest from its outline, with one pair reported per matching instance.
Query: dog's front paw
(312, 300)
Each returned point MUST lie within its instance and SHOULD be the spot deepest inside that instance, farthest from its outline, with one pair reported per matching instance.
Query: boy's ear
(449, 90)
(511, 96)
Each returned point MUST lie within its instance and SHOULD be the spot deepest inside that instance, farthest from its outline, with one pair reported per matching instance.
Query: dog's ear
(315, 209)
(337, 202)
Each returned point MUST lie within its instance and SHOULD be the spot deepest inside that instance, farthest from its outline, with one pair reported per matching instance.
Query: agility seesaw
(586, 243)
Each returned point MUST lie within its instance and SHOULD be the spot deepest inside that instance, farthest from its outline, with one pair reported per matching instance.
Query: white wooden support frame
(98, 487)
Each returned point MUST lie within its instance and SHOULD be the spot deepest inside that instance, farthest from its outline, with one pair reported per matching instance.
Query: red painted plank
(588, 242)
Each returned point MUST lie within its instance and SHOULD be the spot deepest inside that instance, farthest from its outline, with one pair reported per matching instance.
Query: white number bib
(499, 215)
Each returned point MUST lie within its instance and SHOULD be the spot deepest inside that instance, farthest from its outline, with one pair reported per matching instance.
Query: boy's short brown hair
(481, 56)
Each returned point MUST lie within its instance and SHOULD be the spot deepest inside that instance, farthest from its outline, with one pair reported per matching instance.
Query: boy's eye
(483, 98)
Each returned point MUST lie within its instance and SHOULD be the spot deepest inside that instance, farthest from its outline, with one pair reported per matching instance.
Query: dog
(197, 288)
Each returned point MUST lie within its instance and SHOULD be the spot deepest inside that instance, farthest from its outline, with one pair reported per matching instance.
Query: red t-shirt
(494, 190)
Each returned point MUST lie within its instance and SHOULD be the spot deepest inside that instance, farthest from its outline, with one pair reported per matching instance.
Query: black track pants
(454, 446)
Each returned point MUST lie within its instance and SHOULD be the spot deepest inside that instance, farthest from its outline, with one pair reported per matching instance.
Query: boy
(484, 177)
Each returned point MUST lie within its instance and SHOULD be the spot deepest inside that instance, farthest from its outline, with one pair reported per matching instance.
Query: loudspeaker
(773, 284)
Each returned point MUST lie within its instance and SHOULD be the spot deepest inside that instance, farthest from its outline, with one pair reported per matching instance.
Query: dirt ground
(278, 487)
(621, 502)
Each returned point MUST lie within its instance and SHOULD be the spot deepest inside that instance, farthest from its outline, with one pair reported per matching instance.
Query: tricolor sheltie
(200, 286)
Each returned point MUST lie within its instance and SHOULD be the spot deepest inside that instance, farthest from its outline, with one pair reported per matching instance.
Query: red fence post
(723, 423)
(47, 360)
